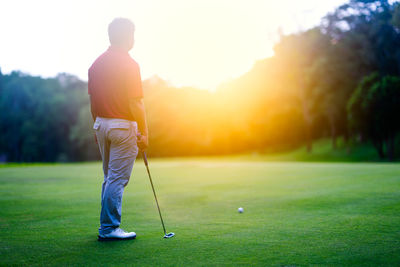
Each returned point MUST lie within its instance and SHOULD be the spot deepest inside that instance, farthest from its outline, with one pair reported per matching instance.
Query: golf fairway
(295, 214)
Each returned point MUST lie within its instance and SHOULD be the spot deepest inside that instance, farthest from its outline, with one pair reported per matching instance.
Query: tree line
(340, 79)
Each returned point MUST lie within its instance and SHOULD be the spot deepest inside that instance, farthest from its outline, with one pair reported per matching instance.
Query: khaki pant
(117, 140)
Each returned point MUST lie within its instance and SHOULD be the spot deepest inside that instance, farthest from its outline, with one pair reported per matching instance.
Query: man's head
(120, 33)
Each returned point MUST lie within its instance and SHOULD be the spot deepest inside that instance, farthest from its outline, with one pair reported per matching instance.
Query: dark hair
(120, 30)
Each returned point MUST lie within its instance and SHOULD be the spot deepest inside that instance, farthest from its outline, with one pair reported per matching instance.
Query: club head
(169, 235)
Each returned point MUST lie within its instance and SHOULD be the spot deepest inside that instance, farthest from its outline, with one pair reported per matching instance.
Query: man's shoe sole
(105, 239)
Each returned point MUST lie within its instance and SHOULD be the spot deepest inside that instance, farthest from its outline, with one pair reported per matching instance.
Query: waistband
(99, 119)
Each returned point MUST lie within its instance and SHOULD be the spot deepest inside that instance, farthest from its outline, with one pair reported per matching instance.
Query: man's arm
(93, 116)
(137, 109)
(92, 109)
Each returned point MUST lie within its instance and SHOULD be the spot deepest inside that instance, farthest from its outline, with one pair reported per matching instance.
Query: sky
(199, 43)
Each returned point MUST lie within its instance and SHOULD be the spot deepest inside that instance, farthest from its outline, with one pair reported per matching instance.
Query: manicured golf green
(295, 214)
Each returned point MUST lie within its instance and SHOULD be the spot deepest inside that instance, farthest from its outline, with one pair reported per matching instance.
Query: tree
(373, 111)
(298, 54)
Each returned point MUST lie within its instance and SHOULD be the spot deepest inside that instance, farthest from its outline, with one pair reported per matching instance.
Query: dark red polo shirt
(114, 78)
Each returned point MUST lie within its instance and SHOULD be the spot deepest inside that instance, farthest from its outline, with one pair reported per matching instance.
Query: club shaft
(152, 187)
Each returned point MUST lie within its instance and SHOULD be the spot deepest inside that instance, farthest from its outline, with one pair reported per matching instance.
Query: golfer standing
(116, 99)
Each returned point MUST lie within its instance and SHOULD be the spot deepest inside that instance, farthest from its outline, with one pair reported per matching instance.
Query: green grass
(296, 214)
(322, 151)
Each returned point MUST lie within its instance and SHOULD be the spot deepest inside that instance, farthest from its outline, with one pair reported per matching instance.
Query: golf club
(169, 235)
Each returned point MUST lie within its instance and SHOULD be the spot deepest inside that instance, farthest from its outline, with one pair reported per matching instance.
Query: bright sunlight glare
(189, 43)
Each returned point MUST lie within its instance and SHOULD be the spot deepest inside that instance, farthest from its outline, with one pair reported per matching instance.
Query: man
(116, 99)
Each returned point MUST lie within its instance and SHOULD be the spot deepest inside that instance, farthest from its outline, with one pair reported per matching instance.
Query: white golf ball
(240, 210)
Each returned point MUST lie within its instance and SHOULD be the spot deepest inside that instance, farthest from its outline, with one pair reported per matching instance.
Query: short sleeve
(134, 82)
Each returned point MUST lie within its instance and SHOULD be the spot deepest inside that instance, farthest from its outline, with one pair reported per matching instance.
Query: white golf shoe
(117, 234)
